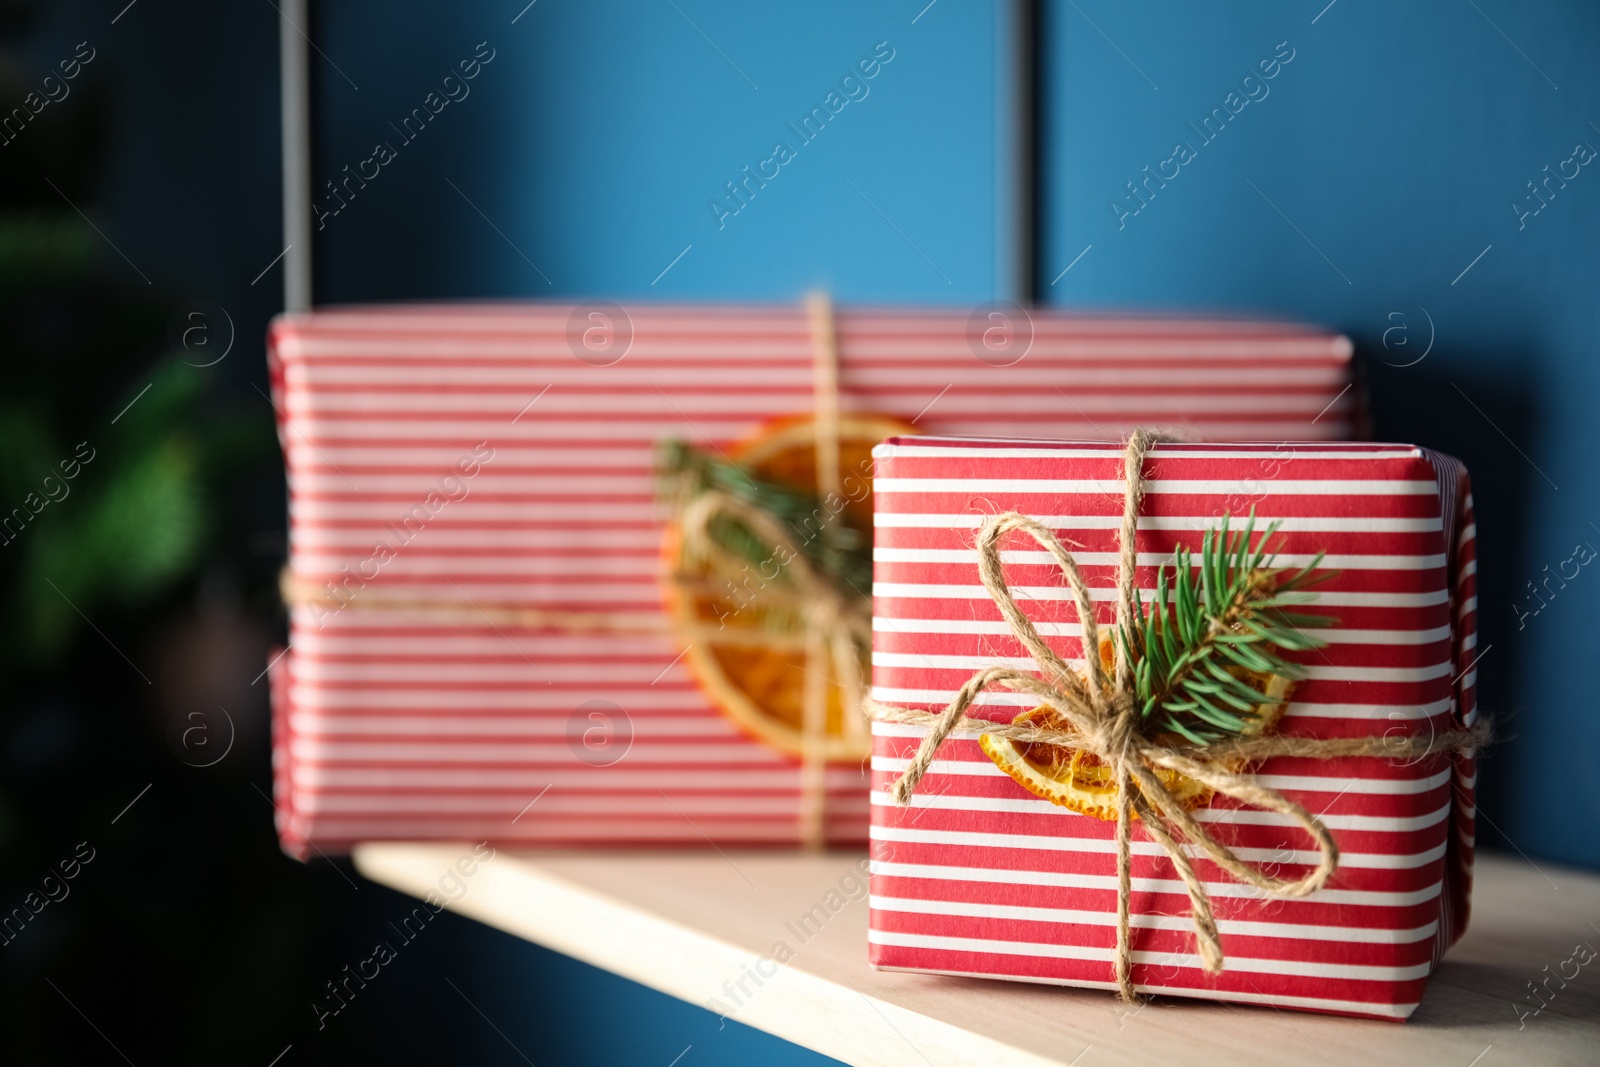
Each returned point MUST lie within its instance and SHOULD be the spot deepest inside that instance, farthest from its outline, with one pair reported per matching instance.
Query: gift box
(979, 876)
(493, 467)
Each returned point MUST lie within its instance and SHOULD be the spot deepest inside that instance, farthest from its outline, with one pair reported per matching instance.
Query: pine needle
(1219, 622)
(844, 556)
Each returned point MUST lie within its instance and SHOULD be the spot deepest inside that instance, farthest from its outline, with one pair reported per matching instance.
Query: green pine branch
(1218, 620)
(844, 556)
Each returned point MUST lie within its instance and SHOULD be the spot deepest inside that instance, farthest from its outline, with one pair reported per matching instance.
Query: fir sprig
(1219, 622)
(844, 556)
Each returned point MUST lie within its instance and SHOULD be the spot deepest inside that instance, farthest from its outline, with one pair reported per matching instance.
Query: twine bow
(1104, 721)
(835, 629)
(836, 624)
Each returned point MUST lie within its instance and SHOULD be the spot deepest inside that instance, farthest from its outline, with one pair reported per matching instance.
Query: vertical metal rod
(1016, 92)
(294, 74)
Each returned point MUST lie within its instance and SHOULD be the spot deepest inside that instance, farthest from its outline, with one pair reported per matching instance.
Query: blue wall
(1374, 169)
(599, 134)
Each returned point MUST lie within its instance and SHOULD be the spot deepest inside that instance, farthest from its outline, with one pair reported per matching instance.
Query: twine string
(834, 627)
(1102, 721)
(822, 644)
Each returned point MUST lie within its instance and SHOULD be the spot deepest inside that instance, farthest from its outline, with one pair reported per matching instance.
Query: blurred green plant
(87, 374)
(135, 522)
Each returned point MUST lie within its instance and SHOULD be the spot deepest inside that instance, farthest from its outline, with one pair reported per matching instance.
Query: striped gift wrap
(473, 455)
(980, 877)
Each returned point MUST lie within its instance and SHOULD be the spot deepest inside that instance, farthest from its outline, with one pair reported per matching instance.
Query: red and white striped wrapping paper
(402, 726)
(980, 877)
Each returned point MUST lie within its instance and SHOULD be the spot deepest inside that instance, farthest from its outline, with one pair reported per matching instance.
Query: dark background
(139, 609)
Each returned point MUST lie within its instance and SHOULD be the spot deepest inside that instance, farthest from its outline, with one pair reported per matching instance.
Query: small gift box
(496, 630)
(1213, 794)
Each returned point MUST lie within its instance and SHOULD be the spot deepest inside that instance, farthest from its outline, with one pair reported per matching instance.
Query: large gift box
(986, 872)
(477, 648)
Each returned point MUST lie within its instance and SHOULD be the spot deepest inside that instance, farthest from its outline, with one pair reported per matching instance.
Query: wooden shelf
(686, 923)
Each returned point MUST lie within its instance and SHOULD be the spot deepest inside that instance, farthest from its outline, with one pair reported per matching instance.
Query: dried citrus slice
(1080, 781)
(749, 654)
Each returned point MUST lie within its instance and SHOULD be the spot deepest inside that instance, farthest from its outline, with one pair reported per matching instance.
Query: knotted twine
(1104, 721)
(835, 625)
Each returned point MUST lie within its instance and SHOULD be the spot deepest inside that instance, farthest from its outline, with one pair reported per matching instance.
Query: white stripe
(737, 328)
(1236, 963)
(642, 484)
(1366, 712)
(875, 326)
(978, 448)
(641, 752)
(566, 431)
(315, 724)
(579, 779)
(1039, 842)
(1291, 524)
(533, 374)
(1385, 824)
(930, 591)
(442, 459)
(313, 699)
(1337, 636)
(783, 830)
(1348, 1007)
(1385, 562)
(1315, 672)
(1077, 917)
(314, 804)
(1197, 486)
(544, 342)
(1174, 886)
(356, 544)
(1378, 824)
(1004, 698)
(1050, 423)
(528, 333)
(576, 513)
(499, 426)
(1300, 783)
(601, 399)
(530, 593)
(398, 673)
(1389, 712)
(333, 638)
(913, 450)
(413, 565)
(500, 405)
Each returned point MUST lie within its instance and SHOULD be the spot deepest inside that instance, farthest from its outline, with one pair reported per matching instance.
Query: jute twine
(1103, 720)
(835, 626)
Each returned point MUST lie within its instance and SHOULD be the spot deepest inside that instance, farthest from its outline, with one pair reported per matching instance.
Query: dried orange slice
(748, 655)
(1080, 781)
